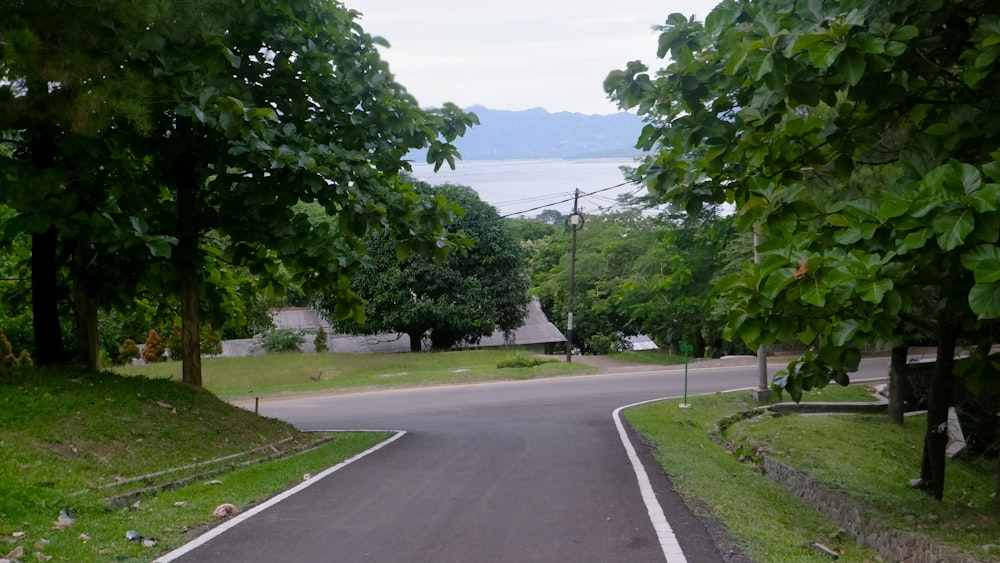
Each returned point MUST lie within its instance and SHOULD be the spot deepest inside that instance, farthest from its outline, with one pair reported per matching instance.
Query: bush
(602, 344)
(283, 340)
(8, 361)
(153, 351)
(522, 361)
(129, 351)
(175, 342)
(211, 341)
(320, 341)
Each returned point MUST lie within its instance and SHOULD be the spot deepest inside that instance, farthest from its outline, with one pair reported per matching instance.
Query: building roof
(641, 342)
(537, 329)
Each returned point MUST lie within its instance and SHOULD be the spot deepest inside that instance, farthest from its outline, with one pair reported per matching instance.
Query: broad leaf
(952, 228)
(984, 261)
(984, 300)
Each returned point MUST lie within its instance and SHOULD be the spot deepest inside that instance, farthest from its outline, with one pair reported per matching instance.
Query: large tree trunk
(85, 309)
(49, 348)
(938, 401)
(190, 339)
(186, 261)
(996, 494)
(415, 341)
(88, 348)
(897, 383)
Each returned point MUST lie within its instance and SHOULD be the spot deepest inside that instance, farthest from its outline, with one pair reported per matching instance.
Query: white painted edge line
(668, 541)
(228, 524)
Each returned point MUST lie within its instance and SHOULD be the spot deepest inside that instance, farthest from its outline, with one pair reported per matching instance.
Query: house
(535, 335)
(641, 342)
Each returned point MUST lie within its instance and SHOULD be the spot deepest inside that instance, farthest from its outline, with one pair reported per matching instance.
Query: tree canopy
(457, 299)
(859, 141)
(183, 122)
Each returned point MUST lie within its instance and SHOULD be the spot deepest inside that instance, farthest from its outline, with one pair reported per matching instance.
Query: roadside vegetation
(864, 455)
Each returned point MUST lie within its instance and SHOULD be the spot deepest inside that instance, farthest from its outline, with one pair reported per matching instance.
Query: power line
(566, 200)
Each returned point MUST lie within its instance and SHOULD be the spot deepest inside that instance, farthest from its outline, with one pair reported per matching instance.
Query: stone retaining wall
(853, 517)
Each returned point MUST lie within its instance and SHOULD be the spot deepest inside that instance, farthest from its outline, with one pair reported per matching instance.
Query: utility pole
(763, 392)
(575, 221)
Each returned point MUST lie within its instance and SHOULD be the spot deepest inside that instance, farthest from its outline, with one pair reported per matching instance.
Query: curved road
(530, 471)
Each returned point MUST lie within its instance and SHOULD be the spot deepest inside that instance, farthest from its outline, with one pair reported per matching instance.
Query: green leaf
(814, 294)
(872, 291)
(970, 177)
(904, 33)
(952, 228)
(869, 44)
(823, 55)
(805, 41)
(852, 66)
(160, 247)
(986, 198)
(984, 300)
(893, 205)
(848, 236)
(984, 262)
(845, 331)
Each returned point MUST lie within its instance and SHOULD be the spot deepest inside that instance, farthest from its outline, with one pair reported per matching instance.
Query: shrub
(522, 361)
(175, 342)
(283, 340)
(320, 341)
(211, 341)
(8, 361)
(602, 344)
(129, 351)
(153, 351)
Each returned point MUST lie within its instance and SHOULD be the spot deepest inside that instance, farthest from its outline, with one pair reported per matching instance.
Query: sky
(517, 54)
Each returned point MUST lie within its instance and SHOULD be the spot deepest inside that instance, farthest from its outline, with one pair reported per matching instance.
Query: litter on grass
(224, 510)
(134, 536)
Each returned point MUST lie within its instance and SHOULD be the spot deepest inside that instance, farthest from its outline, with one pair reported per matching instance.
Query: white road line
(218, 530)
(668, 541)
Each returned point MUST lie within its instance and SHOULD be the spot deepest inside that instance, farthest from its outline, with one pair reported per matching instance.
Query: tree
(783, 108)
(607, 247)
(236, 106)
(667, 289)
(458, 299)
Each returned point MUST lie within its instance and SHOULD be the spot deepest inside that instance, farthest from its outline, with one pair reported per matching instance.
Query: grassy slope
(69, 439)
(865, 455)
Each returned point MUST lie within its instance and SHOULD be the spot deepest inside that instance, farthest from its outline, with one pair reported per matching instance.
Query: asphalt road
(531, 471)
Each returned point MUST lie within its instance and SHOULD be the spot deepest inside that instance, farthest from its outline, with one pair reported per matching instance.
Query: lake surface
(526, 187)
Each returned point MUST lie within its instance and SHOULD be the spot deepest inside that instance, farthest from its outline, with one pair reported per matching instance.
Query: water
(525, 187)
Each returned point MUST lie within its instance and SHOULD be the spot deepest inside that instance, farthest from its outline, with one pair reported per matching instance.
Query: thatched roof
(536, 330)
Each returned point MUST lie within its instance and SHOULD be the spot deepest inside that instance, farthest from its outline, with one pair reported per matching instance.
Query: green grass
(890, 455)
(298, 373)
(832, 393)
(863, 454)
(77, 440)
(655, 357)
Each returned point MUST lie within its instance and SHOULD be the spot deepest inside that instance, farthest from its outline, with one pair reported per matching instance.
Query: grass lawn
(77, 441)
(294, 372)
(862, 454)
(657, 357)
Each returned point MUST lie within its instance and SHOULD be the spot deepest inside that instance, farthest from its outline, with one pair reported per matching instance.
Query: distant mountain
(536, 133)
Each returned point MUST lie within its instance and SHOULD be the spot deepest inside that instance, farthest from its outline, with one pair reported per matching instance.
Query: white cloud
(517, 54)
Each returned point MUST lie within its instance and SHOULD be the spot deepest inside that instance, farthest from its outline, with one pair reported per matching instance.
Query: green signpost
(686, 350)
